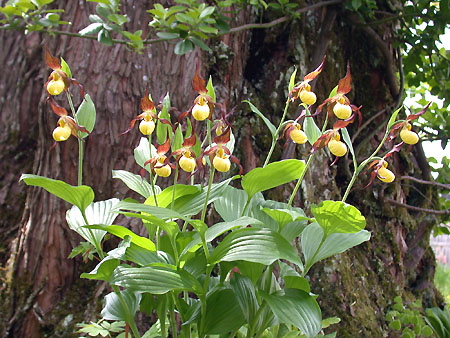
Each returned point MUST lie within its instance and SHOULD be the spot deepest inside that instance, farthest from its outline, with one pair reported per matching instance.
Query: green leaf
(86, 115)
(292, 279)
(142, 257)
(207, 12)
(224, 314)
(115, 310)
(347, 140)
(104, 37)
(65, 68)
(167, 35)
(311, 130)
(142, 153)
(298, 308)
(210, 88)
(103, 270)
(183, 47)
(178, 139)
(162, 213)
(198, 42)
(333, 92)
(156, 279)
(165, 197)
(93, 28)
(218, 229)
(244, 290)
(272, 128)
(193, 204)
(163, 129)
(285, 216)
(292, 80)
(80, 196)
(135, 182)
(96, 213)
(271, 176)
(231, 204)
(393, 118)
(316, 247)
(330, 321)
(337, 216)
(255, 245)
(121, 232)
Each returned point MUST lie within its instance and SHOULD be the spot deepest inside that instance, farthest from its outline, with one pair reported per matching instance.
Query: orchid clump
(217, 258)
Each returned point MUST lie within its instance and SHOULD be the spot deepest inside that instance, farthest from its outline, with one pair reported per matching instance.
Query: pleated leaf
(135, 183)
(255, 245)
(96, 213)
(298, 308)
(156, 279)
(114, 310)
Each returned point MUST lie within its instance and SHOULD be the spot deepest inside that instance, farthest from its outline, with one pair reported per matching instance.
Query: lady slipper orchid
(303, 89)
(332, 139)
(404, 128)
(186, 157)
(159, 163)
(295, 133)
(58, 81)
(339, 104)
(203, 104)
(66, 125)
(148, 117)
(220, 156)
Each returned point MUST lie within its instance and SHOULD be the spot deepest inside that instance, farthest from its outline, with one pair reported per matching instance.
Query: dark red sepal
(146, 103)
(198, 83)
(224, 138)
(345, 84)
(423, 111)
(51, 61)
(313, 74)
(322, 141)
(57, 109)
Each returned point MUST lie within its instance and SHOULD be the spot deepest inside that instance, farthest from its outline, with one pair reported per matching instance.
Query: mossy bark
(357, 286)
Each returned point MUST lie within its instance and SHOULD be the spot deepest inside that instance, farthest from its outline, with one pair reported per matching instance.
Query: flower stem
(275, 137)
(299, 181)
(80, 143)
(211, 177)
(174, 187)
(151, 174)
(362, 165)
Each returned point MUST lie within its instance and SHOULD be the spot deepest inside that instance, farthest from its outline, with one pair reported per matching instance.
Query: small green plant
(439, 320)
(442, 281)
(408, 319)
(103, 328)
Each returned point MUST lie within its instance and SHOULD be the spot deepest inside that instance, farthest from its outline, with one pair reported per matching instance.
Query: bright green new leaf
(115, 310)
(135, 182)
(298, 308)
(163, 129)
(315, 247)
(337, 216)
(271, 176)
(178, 140)
(272, 128)
(80, 196)
(210, 88)
(292, 79)
(103, 270)
(121, 232)
(165, 197)
(255, 245)
(65, 68)
(333, 92)
(393, 118)
(93, 28)
(285, 216)
(157, 279)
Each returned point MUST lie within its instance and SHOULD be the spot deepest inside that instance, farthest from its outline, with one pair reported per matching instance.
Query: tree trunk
(38, 289)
